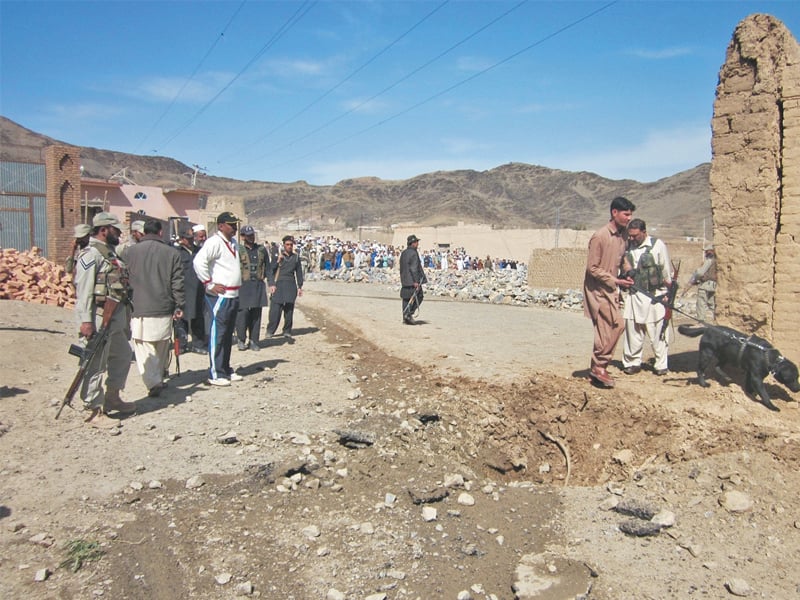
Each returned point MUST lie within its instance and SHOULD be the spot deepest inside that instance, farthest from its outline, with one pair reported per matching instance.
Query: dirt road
(315, 477)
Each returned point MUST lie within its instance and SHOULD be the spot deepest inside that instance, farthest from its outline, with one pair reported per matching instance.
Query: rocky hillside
(511, 195)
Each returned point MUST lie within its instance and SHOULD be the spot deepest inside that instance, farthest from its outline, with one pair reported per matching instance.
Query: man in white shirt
(649, 258)
(219, 271)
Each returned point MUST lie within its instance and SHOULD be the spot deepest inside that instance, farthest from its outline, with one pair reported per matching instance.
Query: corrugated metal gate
(23, 206)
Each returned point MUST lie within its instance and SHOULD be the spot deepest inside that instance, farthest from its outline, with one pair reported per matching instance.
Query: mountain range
(513, 195)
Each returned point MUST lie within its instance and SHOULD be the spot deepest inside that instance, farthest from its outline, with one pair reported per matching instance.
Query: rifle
(180, 338)
(672, 291)
(413, 301)
(96, 344)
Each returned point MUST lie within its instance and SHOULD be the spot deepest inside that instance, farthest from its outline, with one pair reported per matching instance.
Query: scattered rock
(636, 508)
(738, 587)
(735, 501)
(639, 528)
(223, 578)
(195, 482)
(429, 513)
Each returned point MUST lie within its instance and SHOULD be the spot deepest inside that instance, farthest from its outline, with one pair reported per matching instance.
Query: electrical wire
(287, 26)
(450, 88)
(190, 78)
(406, 77)
(339, 84)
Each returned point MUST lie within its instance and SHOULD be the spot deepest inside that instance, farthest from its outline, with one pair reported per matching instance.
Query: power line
(342, 82)
(391, 86)
(190, 78)
(290, 22)
(452, 87)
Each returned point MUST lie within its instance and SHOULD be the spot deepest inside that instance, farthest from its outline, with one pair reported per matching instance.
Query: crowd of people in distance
(330, 253)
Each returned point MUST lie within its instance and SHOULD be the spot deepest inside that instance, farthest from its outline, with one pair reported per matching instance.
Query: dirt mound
(359, 464)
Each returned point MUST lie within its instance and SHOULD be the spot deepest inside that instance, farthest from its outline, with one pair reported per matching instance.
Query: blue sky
(329, 90)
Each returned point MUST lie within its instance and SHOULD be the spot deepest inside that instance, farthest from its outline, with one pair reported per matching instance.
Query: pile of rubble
(30, 277)
(508, 286)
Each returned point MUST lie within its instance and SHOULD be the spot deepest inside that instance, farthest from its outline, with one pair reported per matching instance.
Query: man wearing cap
(285, 278)
(194, 293)
(79, 242)
(218, 268)
(411, 279)
(99, 275)
(137, 233)
(156, 277)
(706, 278)
(200, 235)
(253, 295)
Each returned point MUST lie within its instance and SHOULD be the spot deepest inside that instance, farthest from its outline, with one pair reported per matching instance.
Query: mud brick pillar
(755, 182)
(63, 175)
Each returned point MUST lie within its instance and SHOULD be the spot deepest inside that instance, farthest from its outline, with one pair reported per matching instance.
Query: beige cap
(104, 219)
(82, 230)
(137, 226)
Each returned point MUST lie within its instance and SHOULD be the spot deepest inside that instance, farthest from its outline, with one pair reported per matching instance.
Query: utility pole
(558, 223)
(194, 174)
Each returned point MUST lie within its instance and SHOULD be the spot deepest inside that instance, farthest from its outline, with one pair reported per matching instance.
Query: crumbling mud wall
(755, 183)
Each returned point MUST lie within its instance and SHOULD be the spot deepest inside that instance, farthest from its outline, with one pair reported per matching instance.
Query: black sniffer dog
(754, 355)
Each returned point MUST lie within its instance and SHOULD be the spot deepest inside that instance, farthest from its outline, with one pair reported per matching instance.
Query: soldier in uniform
(80, 242)
(706, 280)
(100, 274)
(285, 278)
(193, 318)
(411, 279)
(649, 258)
(253, 293)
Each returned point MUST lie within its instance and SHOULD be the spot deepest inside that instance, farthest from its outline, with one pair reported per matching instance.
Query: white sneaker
(220, 381)
(235, 377)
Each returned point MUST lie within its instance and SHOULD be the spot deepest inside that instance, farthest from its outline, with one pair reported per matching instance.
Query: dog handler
(601, 296)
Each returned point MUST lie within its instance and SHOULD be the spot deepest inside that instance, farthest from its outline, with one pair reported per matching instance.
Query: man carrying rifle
(411, 279)
(101, 275)
(649, 259)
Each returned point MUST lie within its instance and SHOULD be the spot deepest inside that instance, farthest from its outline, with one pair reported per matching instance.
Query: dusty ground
(463, 410)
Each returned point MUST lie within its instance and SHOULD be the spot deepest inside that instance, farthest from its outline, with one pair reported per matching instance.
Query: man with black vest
(253, 293)
(649, 259)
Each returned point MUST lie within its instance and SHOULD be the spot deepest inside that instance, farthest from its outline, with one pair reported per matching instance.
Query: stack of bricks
(29, 277)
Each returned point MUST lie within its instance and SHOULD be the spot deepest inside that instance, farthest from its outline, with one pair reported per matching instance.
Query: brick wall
(755, 182)
(63, 176)
(563, 268)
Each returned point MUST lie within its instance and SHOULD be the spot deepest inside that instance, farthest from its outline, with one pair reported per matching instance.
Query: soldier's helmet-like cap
(248, 230)
(411, 239)
(105, 219)
(228, 217)
(82, 230)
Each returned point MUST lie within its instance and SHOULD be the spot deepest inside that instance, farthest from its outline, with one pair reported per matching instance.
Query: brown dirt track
(470, 391)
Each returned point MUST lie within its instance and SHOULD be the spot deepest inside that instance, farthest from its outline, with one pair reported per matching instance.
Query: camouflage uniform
(99, 273)
(706, 278)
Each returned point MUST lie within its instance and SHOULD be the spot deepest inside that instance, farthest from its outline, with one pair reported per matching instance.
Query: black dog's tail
(690, 330)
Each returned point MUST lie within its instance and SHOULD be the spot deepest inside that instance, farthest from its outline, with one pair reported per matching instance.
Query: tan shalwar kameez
(601, 298)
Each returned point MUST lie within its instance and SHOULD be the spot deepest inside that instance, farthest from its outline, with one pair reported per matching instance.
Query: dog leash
(741, 339)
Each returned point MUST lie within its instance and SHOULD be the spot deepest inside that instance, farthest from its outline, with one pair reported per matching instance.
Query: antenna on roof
(122, 175)
(194, 174)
